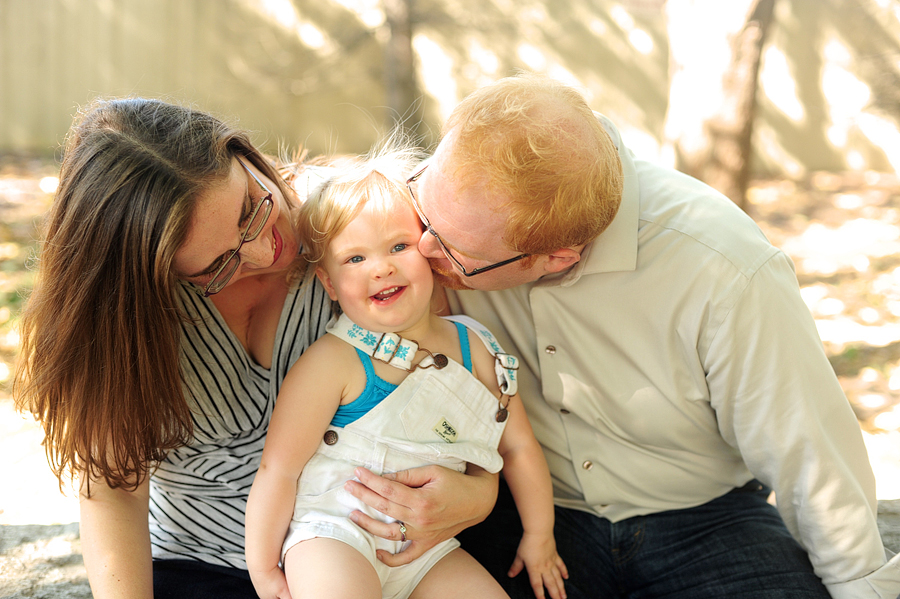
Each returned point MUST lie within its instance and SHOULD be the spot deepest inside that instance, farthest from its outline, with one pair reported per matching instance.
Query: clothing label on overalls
(445, 430)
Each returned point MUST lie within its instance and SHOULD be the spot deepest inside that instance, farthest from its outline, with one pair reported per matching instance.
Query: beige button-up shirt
(677, 361)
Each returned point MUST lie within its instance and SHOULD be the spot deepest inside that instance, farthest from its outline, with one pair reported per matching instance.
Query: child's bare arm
(309, 397)
(526, 473)
(528, 477)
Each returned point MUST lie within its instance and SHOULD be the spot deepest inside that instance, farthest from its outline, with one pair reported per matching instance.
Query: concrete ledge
(44, 562)
(889, 523)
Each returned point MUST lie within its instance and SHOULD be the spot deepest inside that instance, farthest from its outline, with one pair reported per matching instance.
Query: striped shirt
(198, 495)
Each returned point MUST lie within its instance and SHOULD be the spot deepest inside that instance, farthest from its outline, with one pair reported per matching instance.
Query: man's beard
(448, 277)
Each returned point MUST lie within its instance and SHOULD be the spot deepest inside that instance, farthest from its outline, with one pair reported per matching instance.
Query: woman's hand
(545, 568)
(434, 504)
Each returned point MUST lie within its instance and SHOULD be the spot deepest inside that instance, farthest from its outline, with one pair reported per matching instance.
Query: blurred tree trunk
(399, 67)
(715, 49)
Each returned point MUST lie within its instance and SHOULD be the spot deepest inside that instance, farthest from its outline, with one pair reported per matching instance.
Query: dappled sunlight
(370, 12)
(532, 56)
(486, 59)
(766, 138)
(639, 39)
(889, 420)
(560, 73)
(854, 131)
(841, 231)
(702, 75)
(884, 455)
(884, 133)
(48, 184)
(9, 250)
(644, 144)
(844, 330)
(826, 250)
(779, 86)
(436, 72)
(851, 247)
(598, 27)
(286, 16)
(9, 341)
(846, 96)
(31, 492)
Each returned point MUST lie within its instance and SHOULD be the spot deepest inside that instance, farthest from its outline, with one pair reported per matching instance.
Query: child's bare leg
(323, 567)
(458, 575)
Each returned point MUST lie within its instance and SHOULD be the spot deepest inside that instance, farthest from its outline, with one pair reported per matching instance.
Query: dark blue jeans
(735, 546)
(188, 579)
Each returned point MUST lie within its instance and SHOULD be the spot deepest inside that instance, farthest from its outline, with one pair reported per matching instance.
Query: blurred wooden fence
(313, 72)
(226, 56)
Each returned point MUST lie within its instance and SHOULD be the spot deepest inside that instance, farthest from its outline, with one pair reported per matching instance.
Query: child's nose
(384, 268)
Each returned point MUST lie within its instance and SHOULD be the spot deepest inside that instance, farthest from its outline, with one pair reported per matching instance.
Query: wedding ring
(402, 531)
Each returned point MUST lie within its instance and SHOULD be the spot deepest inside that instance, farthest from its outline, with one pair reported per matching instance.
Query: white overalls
(435, 416)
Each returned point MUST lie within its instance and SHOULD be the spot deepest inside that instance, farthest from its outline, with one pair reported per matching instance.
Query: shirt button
(564, 411)
(330, 438)
(587, 465)
(550, 349)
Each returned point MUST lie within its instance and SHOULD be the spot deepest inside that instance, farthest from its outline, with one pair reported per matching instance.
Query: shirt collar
(615, 250)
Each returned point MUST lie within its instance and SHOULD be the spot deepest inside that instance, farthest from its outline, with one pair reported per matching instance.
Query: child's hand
(545, 568)
(270, 584)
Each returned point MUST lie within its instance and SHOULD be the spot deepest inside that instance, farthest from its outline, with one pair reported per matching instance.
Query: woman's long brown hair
(100, 334)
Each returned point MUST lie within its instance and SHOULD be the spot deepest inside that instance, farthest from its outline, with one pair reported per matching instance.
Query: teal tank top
(377, 388)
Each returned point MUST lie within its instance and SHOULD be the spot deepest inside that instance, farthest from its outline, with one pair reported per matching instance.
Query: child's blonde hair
(378, 177)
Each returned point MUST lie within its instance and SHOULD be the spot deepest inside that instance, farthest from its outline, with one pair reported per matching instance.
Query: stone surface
(42, 562)
(889, 523)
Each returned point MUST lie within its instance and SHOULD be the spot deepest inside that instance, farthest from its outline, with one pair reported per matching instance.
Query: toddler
(392, 387)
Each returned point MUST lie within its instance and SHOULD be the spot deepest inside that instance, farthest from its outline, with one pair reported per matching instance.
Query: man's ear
(326, 283)
(562, 259)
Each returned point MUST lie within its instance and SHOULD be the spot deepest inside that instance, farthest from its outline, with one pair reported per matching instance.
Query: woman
(163, 318)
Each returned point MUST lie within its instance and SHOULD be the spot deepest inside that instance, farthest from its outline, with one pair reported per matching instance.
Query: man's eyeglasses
(257, 221)
(444, 248)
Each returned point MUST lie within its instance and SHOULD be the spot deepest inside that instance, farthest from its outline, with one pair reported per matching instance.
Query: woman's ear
(562, 259)
(326, 283)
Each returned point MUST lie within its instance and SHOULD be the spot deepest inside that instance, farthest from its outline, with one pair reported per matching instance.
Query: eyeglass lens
(258, 219)
(260, 215)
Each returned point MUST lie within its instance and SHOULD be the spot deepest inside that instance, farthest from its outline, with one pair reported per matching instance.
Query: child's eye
(399, 247)
(355, 259)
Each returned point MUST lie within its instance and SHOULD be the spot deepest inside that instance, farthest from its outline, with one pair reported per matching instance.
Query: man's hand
(434, 503)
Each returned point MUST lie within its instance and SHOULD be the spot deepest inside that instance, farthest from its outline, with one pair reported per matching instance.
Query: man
(671, 371)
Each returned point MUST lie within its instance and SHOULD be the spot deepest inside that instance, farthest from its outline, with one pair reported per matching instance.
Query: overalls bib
(435, 416)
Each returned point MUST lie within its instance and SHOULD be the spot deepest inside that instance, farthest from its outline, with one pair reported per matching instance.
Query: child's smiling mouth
(388, 293)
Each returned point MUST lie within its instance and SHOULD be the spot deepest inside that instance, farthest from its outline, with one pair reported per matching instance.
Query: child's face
(375, 271)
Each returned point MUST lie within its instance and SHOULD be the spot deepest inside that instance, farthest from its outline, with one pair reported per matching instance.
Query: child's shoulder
(329, 362)
(328, 348)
